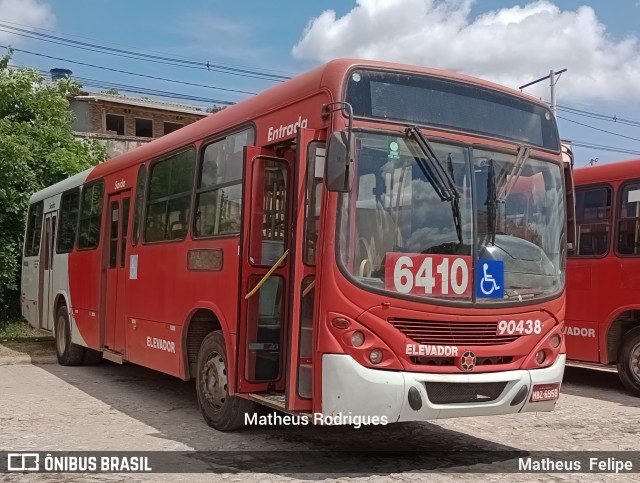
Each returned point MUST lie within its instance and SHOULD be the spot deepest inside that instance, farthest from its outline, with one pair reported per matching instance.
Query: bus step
(275, 400)
(112, 356)
(593, 365)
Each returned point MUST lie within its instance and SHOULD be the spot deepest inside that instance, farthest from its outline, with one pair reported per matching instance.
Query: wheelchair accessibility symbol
(490, 279)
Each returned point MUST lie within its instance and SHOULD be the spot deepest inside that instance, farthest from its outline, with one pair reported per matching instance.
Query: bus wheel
(629, 361)
(220, 411)
(69, 354)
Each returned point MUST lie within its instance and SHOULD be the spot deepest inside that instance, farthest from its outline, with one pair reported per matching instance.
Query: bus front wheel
(220, 411)
(69, 354)
(629, 361)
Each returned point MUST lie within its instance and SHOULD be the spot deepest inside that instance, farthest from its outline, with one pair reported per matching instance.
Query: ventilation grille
(451, 393)
(452, 333)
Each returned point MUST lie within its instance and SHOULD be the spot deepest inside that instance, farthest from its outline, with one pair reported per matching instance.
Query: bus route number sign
(428, 275)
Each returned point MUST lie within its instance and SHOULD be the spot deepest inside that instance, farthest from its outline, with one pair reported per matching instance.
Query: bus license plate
(545, 392)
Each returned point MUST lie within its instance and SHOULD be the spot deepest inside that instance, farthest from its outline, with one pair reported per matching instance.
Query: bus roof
(329, 76)
(61, 186)
(617, 171)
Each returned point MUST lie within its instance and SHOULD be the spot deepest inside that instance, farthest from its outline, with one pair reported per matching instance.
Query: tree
(37, 149)
(214, 109)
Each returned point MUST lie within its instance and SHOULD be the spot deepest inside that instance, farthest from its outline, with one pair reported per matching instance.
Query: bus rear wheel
(629, 361)
(220, 411)
(69, 354)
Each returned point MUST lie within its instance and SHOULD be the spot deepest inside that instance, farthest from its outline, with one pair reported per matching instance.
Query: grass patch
(18, 329)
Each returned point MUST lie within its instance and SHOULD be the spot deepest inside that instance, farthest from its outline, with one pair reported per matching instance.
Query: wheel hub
(214, 380)
(61, 335)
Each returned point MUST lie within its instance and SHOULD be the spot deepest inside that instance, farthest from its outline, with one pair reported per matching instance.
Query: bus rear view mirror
(339, 162)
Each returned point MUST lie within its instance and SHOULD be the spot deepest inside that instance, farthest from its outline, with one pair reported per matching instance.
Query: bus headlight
(540, 357)
(555, 340)
(357, 339)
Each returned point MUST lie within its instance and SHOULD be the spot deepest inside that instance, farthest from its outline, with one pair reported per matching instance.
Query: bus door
(113, 303)
(306, 215)
(264, 271)
(46, 271)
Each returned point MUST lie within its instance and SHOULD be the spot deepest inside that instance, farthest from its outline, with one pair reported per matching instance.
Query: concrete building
(122, 123)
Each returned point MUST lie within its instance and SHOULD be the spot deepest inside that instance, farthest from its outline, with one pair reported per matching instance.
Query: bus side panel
(85, 274)
(164, 292)
(155, 345)
(29, 292)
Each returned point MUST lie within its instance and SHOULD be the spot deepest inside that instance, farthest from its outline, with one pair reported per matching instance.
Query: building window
(219, 193)
(115, 124)
(169, 127)
(144, 128)
(593, 216)
(169, 198)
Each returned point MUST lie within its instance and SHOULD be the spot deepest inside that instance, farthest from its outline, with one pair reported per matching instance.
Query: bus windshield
(396, 214)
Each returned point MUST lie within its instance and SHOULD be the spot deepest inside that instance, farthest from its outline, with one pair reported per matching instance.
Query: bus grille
(451, 393)
(452, 333)
(450, 361)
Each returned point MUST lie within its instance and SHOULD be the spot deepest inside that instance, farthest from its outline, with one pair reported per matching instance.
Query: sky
(511, 43)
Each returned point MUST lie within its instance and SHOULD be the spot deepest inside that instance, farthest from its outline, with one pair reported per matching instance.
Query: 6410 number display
(428, 275)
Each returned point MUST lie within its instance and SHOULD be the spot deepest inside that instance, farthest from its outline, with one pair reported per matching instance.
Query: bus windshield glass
(399, 234)
(450, 105)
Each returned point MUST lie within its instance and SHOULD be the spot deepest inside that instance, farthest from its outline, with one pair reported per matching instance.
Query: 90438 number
(520, 327)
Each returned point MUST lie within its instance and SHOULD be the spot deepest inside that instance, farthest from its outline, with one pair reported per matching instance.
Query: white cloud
(511, 46)
(24, 14)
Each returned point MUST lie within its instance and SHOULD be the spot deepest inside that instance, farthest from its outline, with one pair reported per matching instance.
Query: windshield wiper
(495, 196)
(514, 174)
(441, 180)
(443, 184)
(455, 202)
(492, 201)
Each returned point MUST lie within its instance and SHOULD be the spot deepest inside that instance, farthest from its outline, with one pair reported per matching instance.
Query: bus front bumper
(351, 389)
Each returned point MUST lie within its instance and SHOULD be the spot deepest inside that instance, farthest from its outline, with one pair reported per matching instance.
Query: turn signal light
(341, 323)
(357, 339)
(375, 356)
(540, 357)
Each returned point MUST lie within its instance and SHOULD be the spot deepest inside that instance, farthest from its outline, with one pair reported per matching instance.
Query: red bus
(603, 302)
(346, 243)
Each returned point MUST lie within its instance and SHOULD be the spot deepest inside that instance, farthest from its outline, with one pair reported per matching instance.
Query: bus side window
(34, 229)
(219, 191)
(593, 219)
(90, 216)
(313, 201)
(169, 198)
(628, 242)
(68, 222)
(137, 214)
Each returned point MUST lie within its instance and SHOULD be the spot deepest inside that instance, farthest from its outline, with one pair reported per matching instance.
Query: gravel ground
(47, 407)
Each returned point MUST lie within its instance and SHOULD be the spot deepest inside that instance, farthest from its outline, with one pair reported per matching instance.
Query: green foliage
(37, 149)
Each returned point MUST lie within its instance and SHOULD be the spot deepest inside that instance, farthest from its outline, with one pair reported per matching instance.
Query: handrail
(266, 276)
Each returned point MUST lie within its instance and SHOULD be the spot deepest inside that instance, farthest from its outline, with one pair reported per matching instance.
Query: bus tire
(220, 411)
(629, 361)
(69, 354)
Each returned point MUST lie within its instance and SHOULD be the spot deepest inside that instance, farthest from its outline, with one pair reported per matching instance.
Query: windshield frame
(452, 302)
(434, 127)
